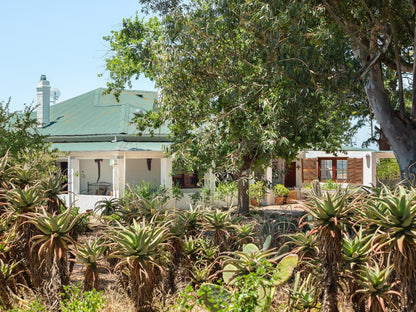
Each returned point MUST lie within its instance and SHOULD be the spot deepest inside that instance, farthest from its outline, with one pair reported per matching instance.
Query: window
(326, 169)
(341, 169)
(185, 180)
(333, 169)
(342, 165)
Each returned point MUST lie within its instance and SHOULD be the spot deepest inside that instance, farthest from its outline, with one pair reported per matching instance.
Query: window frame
(334, 168)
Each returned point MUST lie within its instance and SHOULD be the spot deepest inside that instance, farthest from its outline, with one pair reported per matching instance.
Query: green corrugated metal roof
(109, 146)
(95, 113)
(357, 149)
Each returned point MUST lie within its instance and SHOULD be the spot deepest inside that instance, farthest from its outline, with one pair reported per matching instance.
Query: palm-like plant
(305, 245)
(329, 215)
(90, 253)
(53, 185)
(23, 200)
(221, 225)
(107, 207)
(23, 175)
(190, 220)
(8, 284)
(52, 250)
(356, 251)
(394, 212)
(142, 249)
(377, 288)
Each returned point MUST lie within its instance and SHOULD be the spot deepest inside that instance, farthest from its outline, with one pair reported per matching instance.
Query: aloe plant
(8, 283)
(356, 251)
(52, 186)
(329, 214)
(377, 288)
(394, 212)
(142, 250)
(90, 253)
(221, 225)
(51, 245)
(304, 296)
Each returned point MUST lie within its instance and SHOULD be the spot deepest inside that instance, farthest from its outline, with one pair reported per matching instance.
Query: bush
(226, 191)
(257, 190)
(387, 169)
(330, 185)
(280, 190)
(78, 301)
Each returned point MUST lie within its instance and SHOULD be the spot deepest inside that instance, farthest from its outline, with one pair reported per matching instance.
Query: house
(102, 153)
(100, 149)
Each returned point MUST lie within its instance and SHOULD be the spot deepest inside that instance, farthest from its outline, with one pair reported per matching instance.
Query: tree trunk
(399, 131)
(243, 198)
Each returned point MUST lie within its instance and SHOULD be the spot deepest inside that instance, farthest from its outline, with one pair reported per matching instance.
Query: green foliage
(78, 301)
(280, 190)
(330, 185)
(19, 134)
(249, 291)
(146, 190)
(226, 191)
(241, 81)
(257, 190)
(387, 169)
(33, 306)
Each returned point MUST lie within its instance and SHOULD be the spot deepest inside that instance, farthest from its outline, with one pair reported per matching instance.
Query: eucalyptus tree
(241, 82)
(383, 36)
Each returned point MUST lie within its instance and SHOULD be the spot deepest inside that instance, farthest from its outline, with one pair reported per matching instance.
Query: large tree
(383, 37)
(242, 82)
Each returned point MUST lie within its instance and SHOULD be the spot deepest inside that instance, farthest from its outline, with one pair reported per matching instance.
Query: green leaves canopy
(241, 81)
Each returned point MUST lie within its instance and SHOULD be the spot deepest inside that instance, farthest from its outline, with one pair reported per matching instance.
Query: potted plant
(280, 193)
(256, 191)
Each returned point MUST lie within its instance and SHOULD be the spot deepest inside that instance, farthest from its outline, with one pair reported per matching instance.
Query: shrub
(387, 169)
(330, 185)
(280, 190)
(78, 301)
(226, 191)
(257, 190)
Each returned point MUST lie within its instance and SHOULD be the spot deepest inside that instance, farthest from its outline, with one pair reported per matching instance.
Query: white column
(209, 178)
(268, 176)
(165, 170)
(116, 179)
(70, 178)
(76, 187)
(122, 173)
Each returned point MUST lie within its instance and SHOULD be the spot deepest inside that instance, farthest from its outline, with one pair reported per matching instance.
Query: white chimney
(43, 90)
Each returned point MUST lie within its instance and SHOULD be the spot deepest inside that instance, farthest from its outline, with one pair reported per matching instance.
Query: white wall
(88, 172)
(369, 162)
(137, 171)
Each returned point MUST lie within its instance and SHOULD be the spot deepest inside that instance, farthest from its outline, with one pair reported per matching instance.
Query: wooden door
(290, 178)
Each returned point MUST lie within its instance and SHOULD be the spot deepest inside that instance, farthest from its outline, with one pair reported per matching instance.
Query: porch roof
(110, 146)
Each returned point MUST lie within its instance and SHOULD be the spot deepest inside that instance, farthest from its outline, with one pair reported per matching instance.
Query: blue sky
(64, 41)
(61, 39)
